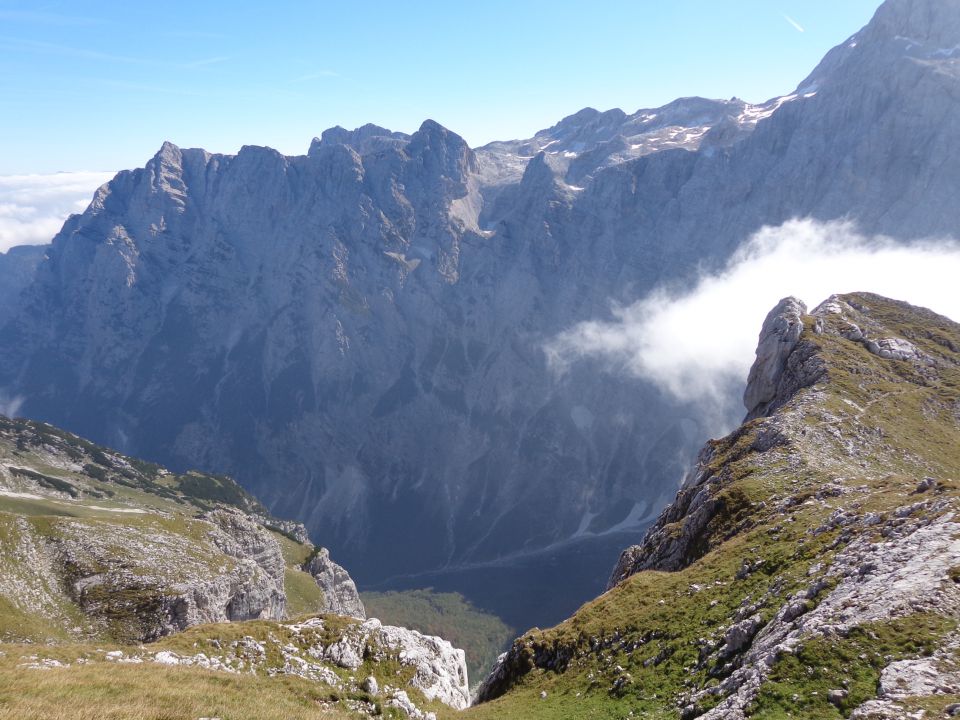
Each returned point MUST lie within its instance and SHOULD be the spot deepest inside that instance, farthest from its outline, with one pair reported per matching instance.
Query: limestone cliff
(338, 587)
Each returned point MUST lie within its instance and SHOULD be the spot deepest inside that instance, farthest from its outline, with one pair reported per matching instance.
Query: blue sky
(100, 85)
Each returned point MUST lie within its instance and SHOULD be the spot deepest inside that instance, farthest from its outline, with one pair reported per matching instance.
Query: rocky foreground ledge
(369, 668)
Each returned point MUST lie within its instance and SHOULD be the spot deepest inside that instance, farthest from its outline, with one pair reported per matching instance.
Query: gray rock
(893, 348)
(739, 635)
(913, 678)
(17, 268)
(290, 528)
(339, 591)
(241, 537)
(440, 670)
(908, 580)
(402, 702)
(345, 654)
(837, 697)
(778, 337)
(234, 573)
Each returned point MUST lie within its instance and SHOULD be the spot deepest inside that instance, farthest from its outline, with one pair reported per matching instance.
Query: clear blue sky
(100, 85)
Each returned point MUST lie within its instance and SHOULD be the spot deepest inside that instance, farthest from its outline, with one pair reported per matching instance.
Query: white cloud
(796, 26)
(698, 345)
(34, 207)
(10, 406)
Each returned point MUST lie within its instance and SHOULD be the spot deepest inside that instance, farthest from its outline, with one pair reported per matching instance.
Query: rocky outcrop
(135, 549)
(440, 670)
(291, 528)
(339, 591)
(779, 336)
(360, 665)
(148, 580)
(242, 538)
(905, 575)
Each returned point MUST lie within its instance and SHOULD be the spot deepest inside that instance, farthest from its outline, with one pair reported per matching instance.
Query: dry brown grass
(106, 691)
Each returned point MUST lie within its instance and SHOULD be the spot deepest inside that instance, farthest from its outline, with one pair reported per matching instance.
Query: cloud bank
(10, 406)
(34, 207)
(698, 345)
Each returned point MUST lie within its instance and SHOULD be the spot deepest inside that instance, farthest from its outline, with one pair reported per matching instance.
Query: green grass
(17, 625)
(800, 684)
(481, 635)
(106, 473)
(107, 691)
(91, 687)
(304, 596)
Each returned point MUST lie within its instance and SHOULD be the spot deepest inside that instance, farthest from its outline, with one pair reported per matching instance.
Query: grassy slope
(88, 686)
(304, 596)
(877, 425)
(104, 691)
(481, 635)
(56, 484)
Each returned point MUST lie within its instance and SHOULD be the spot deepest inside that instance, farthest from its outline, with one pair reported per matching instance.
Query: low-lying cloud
(10, 405)
(33, 208)
(698, 345)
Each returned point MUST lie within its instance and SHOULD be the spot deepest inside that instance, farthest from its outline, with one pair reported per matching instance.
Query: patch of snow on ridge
(752, 114)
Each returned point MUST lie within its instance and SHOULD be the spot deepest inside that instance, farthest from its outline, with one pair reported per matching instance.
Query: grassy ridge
(867, 436)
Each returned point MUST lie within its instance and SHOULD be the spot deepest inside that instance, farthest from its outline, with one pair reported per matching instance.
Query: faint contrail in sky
(797, 26)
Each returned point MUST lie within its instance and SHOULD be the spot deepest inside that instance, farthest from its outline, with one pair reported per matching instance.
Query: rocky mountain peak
(920, 30)
(168, 153)
(441, 149)
(919, 21)
(364, 139)
(778, 337)
(540, 171)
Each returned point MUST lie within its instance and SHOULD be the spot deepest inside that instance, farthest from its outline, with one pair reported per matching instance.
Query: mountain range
(357, 334)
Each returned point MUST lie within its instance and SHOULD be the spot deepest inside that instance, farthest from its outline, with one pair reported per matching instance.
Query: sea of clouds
(34, 207)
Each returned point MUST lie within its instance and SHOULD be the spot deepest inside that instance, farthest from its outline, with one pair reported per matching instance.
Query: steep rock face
(778, 338)
(17, 268)
(162, 582)
(244, 539)
(339, 590)
(807, 568)
(357, 333)
(326, 356)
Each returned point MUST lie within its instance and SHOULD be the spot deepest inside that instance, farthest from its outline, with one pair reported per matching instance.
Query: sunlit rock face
(357, 333)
